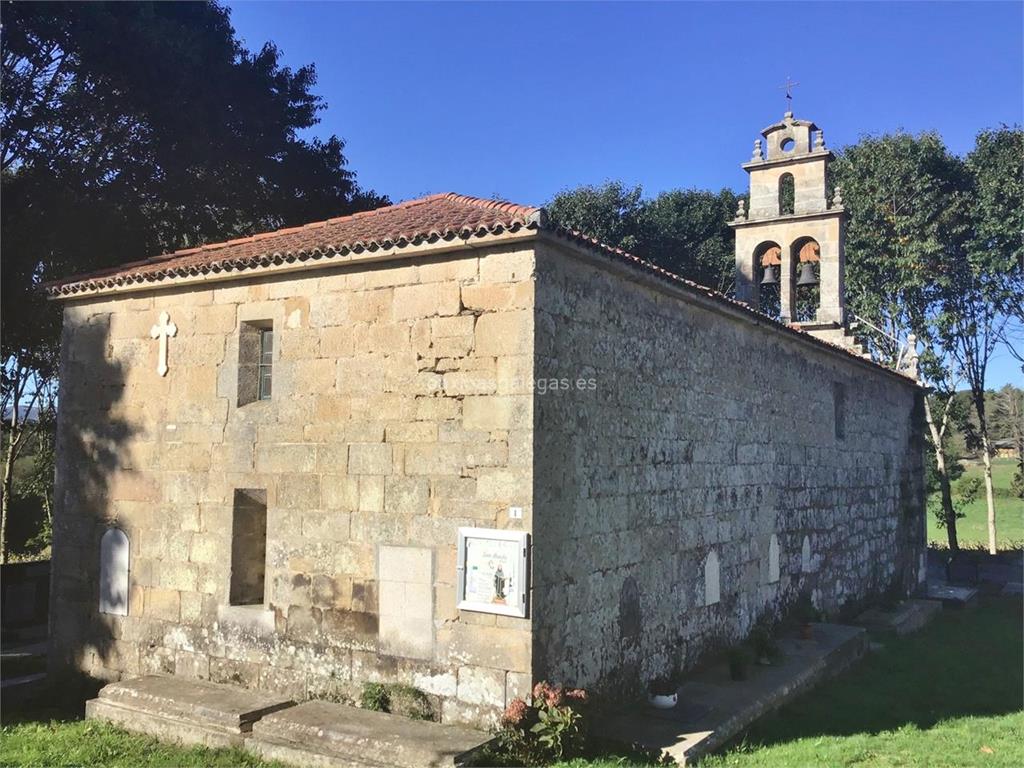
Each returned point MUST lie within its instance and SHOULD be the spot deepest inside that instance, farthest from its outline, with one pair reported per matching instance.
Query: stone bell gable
(447, 444)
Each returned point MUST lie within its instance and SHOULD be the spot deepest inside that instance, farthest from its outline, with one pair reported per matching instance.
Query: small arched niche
(712, 586)
(773, 559)
(114, 563)
(805, 555)
(787, 194)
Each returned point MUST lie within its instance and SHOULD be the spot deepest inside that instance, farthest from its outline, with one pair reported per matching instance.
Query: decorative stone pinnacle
(758, 155)
(741, 209)
(819, 140)
(837, 197)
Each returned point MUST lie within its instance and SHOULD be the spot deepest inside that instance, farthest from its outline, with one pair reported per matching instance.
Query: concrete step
(322, 733)
(182, 710)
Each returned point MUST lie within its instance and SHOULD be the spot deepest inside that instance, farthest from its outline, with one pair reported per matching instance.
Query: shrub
(375, 697)
(739, 664)
(762, 640)
(550, 728)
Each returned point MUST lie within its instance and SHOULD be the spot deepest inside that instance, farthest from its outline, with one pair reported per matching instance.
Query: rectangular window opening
(255, 361)
(248, 547)
(839, 406)
(266, 362)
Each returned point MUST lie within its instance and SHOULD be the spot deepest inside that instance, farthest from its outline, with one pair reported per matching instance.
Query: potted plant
(806, 614)
(739, 664)
(762, 639)
(662, 693)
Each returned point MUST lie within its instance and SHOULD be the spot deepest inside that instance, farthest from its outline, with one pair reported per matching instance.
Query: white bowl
(662, 702)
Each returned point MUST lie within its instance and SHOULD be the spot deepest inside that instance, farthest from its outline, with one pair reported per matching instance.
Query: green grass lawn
(972, 530)
(950, 695)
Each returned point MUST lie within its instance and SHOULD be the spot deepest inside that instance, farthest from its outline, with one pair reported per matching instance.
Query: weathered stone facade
(401, 410)
(638, 423)
(706, 433)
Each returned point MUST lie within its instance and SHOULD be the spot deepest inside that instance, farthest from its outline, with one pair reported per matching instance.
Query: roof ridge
(479, 202)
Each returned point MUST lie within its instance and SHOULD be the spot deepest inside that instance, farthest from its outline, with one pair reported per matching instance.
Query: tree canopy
(131, 129)
(682, 230)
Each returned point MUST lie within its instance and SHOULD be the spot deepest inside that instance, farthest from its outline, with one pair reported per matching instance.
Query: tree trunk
(948, 513)
(989, 500)
(5, 495)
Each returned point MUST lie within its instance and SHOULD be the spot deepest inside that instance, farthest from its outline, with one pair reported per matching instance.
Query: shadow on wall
(91, 456)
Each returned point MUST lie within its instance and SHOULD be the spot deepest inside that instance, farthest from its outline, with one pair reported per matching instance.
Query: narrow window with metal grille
(266, 365)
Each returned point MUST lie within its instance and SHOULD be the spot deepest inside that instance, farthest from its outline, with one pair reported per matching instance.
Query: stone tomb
(184, 711)
(316, 733)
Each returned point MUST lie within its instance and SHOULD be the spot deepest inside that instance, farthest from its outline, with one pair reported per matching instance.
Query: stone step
(182, 710)
(322, 733)
(952, 596)
(909, 616)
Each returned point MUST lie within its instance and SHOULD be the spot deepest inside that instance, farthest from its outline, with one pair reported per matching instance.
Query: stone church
(449, 444)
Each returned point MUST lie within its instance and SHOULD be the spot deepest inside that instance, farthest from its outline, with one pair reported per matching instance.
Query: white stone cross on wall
(163, 331)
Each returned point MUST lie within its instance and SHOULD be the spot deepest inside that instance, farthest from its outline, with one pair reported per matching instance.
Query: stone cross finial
(163, 331)
(758, 155)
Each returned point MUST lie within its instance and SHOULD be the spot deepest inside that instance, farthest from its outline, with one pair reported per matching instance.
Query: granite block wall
(401, 410)
(703, 433)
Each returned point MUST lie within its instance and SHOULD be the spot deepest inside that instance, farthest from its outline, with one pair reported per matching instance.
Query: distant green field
(972, 530)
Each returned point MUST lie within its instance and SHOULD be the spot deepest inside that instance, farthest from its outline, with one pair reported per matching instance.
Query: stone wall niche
(248, 547)
(712, 588)
(114, 563)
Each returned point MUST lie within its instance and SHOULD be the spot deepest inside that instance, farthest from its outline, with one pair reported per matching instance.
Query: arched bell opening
(806, 256)
(787, 194)
(768, 259)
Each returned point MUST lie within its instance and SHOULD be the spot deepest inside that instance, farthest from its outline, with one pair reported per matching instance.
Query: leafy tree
(611, 213)
(684, 231)
(980, 291)
(906, 223)
(131, 129)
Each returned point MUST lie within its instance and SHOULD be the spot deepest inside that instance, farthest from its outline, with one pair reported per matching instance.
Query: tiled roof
(441, 217)
(438, 218)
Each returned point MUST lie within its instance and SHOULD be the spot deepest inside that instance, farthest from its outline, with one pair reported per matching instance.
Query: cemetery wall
(704, 431)
(400, 410)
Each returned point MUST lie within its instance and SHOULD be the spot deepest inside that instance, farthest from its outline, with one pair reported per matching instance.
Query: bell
(807, 276)
(769, 276)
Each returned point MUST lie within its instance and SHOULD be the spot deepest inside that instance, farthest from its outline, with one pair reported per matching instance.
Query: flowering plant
(550, 727)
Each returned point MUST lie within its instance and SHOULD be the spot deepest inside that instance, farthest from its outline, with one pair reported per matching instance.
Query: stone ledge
(713, 709)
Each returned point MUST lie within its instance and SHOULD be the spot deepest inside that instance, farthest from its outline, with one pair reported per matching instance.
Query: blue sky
(520, 100)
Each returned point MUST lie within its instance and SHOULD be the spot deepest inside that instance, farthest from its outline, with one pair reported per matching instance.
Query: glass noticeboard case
(492, 571)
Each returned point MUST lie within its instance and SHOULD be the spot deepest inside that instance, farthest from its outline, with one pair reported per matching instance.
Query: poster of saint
(493, 567)
(490, 569)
